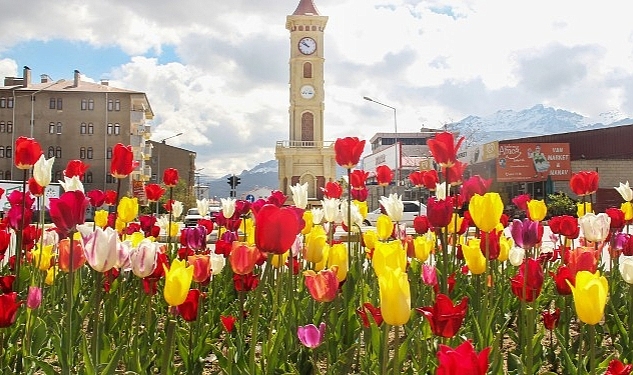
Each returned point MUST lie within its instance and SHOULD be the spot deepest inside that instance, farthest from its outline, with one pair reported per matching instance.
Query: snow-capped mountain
(538, 120)
(503, 124)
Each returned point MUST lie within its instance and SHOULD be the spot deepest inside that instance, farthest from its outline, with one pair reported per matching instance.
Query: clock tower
(306, 157)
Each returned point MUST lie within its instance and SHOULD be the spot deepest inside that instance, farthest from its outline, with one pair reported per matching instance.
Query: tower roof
(306, 8)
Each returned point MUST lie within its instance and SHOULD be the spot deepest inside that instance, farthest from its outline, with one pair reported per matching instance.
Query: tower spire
(306, 8)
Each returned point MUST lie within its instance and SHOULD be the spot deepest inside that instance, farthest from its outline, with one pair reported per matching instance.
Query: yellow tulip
(135, 238)
(362, 208)
(177, 282)
(590, 296)
(51, 274)
(537, 209)
(42, 258)
(627, 208)
(389, 255)
(475, 260)
(486, 210)
(323, 263)
(395, 297)
(101, 218)
(119, 225)
(315, 242)
(127, 210)
(307, 217)
(338, 257)
(456, 223)
(423, 246)
(175, 228)
(249, 230)
(384, 227)
(278, 260)
(370, 238)
(505, 244)
(583, 208)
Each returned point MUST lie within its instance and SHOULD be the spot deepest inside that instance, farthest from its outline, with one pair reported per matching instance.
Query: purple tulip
(525, 233)
(34, 298)
(310, 335)
(195, 238)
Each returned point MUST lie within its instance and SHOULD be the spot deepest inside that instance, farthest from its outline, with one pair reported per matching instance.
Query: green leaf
(47, 368)
(88, 365)
(114, 362)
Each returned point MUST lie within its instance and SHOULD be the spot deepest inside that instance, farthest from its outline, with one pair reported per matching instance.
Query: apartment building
(74, 119)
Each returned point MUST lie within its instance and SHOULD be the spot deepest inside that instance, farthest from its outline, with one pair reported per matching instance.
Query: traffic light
(233, 181)
(230, 181)
(236, 180)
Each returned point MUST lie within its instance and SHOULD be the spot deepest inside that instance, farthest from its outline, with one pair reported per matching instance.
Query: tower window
(307, 126)
(307, 70)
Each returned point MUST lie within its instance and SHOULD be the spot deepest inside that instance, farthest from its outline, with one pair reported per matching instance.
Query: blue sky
(218, 71)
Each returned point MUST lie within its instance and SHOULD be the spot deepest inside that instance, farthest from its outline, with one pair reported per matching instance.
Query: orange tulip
(323, 285)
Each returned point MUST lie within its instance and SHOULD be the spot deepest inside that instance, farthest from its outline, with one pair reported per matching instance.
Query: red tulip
(421, 224)
(78, 256)
(375, 314)
(439, 212)
(521, 201)
(201, 267)
(34, 188)
(6, 283)
(474, 185)
(527, 284)
(360, 194)
(455, 173)
(582, 259)
(110, 197)
(584, 182)
(27, 151)
(68, 210)
(75, 168)
(189, 309)
(245, 283)
(562, 275)
(445, 317)
(416, 179)
(616, 367)
(550, 319)
(565, 225)
(154, 192)
(348, 151)
(462, 360)
(122, 163)
(430, 179)
(617, 218)
(332, 189)
(384, 175)
(170, 177)
(276, 229)
(490, 243)
(444, 149)
(243, 257)
(228, 322)
(9, 305)
(358, 178)
(96, 198)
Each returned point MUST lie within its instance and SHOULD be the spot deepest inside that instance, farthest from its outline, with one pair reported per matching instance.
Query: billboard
(478, 153)
(51, 191)
(389, 157)
(525, 162)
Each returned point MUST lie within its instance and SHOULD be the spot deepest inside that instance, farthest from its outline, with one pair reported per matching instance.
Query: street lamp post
(395, 126)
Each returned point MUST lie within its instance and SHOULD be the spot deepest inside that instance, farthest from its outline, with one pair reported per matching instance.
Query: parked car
(411, 210)
(193, 215)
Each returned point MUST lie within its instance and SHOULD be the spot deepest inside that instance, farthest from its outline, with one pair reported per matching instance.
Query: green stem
(70, 290)
(168, 347)
(385, 348)
(255, 326)
(96, 319)
(19, 239)
(592, 349)
(171, 198)
(630, 317)
(396, 346)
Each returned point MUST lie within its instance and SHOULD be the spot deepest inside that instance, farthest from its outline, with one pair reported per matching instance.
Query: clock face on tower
(307, 45)
(307, 92)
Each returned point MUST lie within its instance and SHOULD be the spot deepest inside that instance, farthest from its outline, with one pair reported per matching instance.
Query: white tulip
(317, 215)
(228, 207)
(393, 206)
(440, 191)
(177, 208)
(330, 209)
(357, 218)
(72, 184)
(516, 256)
(595, 228)
(203, 206)
(626, 268)
(300, 195)
(625, 191)
(42, 170)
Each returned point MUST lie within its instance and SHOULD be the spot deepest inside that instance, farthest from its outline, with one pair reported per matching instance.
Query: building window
(109, 179)
(82, 153)
(9, 127)
(91, 104)
(89, 153)
(110, 129)
(58, 152)
(10, 102)
(117, 129)
(307, 70)
(51, 152)
(91, 128)
(51, 128)
(1, 152)
(59, 128)
(3, 102)
(88, 177)
(52, 104)
(117, 105)
(7, 175)
(84, 104)
(82, 128)
(3, 127)
(59, 104)
(1, 175)
(110, 104)
(8, 152)
(109, 153)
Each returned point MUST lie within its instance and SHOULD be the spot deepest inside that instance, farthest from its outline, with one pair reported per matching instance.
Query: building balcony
(304, 144)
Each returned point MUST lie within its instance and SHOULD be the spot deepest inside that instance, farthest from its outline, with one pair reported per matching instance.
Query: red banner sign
(525, 162)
